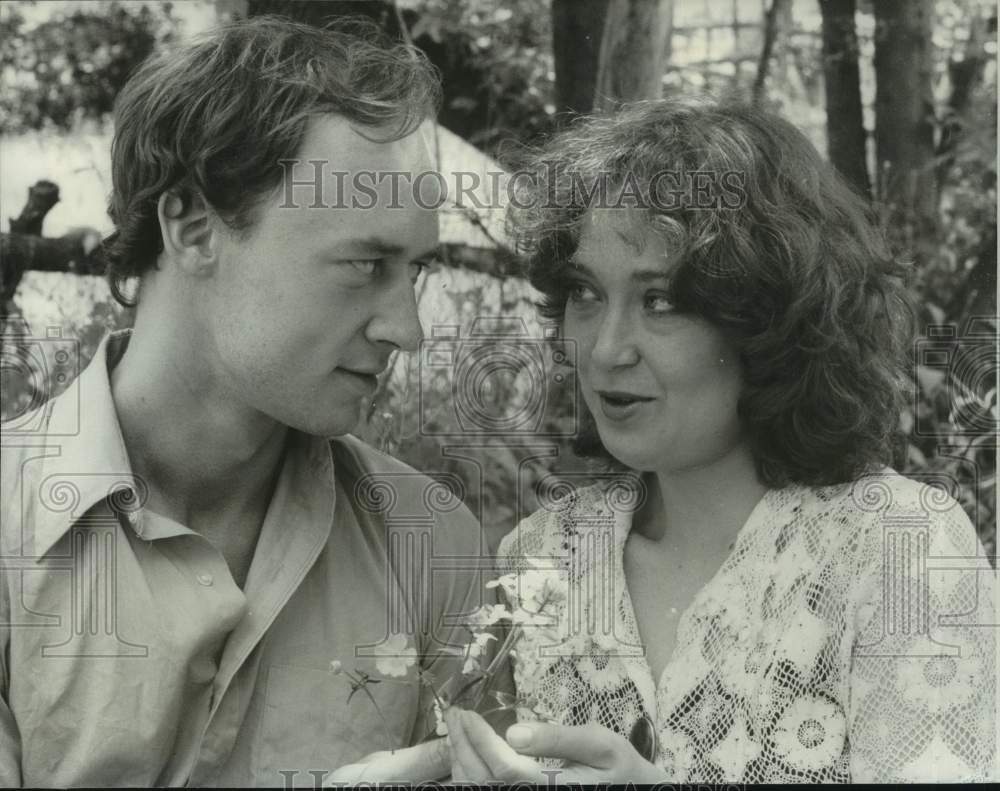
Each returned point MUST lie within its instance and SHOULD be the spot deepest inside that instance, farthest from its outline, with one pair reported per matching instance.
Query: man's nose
(397, 321)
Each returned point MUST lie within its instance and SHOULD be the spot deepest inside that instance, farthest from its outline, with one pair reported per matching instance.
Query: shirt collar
(90, 463)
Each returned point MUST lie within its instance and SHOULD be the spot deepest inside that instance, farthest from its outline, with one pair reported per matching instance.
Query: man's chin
(335, 424)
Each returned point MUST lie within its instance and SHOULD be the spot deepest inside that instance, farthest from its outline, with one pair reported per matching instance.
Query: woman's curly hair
(787, 262)
(218, 115)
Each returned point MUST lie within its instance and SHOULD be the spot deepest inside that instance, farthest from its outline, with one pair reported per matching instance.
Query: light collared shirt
(129, 656)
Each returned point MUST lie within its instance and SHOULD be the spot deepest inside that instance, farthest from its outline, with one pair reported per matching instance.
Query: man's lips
(368, 379)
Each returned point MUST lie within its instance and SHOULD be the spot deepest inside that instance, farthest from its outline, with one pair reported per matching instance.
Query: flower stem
(378, 710)
(508, 645)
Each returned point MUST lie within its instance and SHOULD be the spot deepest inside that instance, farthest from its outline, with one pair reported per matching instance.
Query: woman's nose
(614, 345)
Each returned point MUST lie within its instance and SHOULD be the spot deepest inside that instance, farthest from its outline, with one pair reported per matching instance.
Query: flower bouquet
(534, 596)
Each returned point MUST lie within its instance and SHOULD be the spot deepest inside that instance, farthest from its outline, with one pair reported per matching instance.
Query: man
(182, 566)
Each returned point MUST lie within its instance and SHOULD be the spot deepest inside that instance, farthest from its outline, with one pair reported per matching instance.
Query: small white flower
(336, 668)
(532, 588)
(487, 615)
(441, 729)
(395, 656)
(474, 651)
(541, 588)
(533, 618)
(508, 582)
(811, 733)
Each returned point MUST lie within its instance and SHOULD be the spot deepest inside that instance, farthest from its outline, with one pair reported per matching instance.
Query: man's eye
(658, 303)
(366, 266)
(417, 268)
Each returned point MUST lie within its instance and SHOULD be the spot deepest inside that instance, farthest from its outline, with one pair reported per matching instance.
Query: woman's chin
(633, 456)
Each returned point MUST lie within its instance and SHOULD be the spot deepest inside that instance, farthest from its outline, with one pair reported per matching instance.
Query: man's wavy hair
(794, 272)
(216, 115)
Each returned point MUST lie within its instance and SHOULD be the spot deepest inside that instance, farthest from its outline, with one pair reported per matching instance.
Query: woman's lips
(616, 405)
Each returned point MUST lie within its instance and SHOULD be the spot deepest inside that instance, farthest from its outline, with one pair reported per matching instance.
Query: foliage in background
(948, 435)
(71, 66)
(502, 52)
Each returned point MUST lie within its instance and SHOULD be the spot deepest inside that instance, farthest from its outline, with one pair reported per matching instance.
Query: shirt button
(205, 579)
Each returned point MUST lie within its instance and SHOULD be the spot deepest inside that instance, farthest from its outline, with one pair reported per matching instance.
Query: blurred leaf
(505, 699)
(914, 458)
(930, 379)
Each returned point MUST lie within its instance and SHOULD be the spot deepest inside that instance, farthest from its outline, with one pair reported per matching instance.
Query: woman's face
(662, 386)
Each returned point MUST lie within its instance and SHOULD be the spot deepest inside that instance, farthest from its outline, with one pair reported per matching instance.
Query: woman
(741, 335)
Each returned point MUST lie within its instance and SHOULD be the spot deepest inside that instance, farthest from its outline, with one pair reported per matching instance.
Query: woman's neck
(704, 506)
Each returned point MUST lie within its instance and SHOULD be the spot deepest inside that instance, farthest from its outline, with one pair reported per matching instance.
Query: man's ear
(186, 223)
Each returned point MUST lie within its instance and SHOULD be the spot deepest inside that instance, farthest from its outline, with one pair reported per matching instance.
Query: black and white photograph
(476, 392)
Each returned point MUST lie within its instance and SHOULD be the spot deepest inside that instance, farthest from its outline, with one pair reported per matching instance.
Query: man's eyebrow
(383, 247)
(370, 244)
(431, 252)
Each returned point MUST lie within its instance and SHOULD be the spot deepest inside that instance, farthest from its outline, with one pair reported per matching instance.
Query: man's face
(304, 311)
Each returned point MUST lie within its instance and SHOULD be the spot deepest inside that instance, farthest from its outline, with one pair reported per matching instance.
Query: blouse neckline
(653, 690)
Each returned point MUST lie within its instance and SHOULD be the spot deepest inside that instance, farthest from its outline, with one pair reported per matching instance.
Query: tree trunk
(904, 115)
(778, 11)
(634, 50)
(577, 30)
(845, 128)
(964, 75)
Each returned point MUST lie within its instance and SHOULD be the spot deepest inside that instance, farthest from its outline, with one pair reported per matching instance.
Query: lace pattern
(849, 636)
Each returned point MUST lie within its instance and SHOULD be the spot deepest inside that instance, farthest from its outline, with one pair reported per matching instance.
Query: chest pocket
(308, 724)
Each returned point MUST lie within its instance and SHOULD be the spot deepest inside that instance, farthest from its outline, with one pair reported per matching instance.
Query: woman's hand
(593, 754)
(422, 763)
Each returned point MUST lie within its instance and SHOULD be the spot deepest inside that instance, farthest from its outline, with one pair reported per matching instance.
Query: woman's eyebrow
(649, 276)
(639, 276)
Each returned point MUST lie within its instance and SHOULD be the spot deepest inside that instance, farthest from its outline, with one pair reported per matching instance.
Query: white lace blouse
(850, 636)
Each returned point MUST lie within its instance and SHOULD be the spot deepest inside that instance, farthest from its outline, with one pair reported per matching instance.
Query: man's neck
(203, 457)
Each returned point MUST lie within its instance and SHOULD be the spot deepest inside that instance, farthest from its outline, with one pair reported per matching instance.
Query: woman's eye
(366, 266)
(580, 292)
(658, 303)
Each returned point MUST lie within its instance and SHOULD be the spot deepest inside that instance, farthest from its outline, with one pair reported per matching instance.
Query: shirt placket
(294, 533)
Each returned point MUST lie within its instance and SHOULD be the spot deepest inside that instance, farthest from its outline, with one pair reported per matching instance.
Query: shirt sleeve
(10, 739)
(923, 683)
